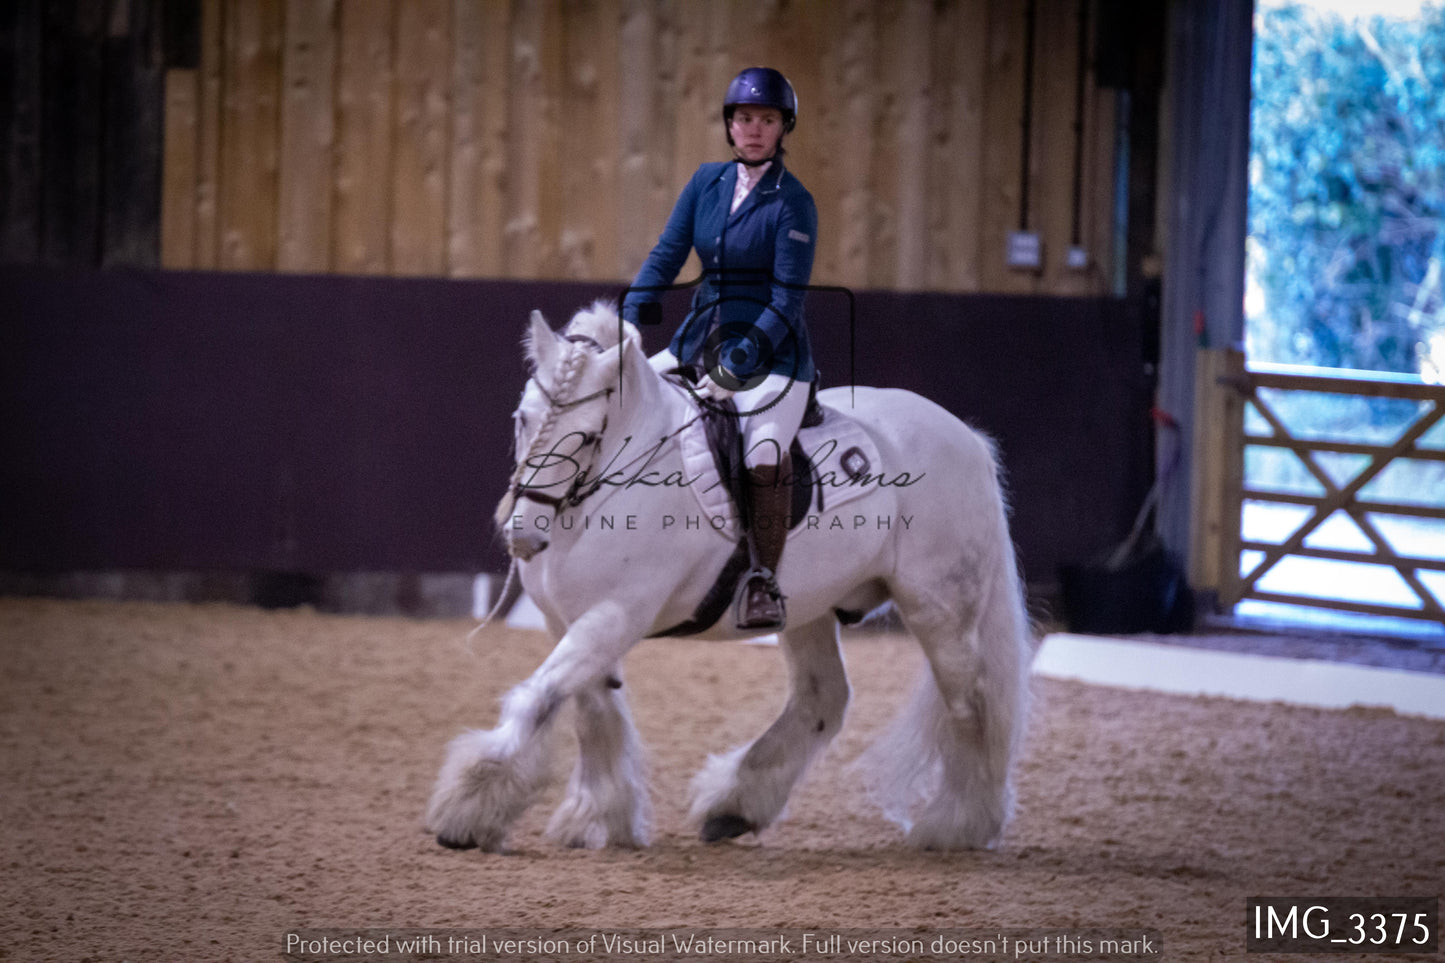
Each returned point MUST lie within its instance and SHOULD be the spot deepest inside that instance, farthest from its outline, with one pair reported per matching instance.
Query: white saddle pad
(845, 467)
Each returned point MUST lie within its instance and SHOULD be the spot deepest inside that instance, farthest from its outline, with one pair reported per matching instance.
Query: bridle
(577, 493)
(592, 439)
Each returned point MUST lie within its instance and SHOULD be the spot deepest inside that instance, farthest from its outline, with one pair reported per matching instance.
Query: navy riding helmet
(761, 87)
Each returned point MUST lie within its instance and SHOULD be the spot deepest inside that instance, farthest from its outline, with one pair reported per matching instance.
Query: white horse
(608, 540)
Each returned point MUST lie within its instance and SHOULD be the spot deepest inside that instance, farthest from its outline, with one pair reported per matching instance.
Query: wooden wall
(548, 139)
(80, 130)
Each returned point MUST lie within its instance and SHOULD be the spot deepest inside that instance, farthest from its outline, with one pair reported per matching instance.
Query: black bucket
(1147, 592)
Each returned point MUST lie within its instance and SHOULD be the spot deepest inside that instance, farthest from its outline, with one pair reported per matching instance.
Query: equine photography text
(633, 522)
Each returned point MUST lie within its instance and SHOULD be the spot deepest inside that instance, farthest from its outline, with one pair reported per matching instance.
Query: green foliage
(1347, 188)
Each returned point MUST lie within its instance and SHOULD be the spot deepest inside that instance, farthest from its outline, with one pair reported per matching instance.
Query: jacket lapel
(726, 184)
(768, 185)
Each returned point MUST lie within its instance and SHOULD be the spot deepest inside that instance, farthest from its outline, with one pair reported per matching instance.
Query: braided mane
(592, 330)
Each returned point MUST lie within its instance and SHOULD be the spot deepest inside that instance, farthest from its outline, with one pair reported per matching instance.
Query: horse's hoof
(455, 843)
(718, 828)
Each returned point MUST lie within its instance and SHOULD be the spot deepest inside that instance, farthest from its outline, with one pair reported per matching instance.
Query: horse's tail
(1000, 700)
(942, 770)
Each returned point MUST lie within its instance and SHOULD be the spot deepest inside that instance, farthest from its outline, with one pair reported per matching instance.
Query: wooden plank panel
(1099, 186)
(785, 37)
(587, 246)
(308, 132)
(477, 201)
(361, 208)
(884, 221)
(607, 258)
(1164, 167)
(701, 115)
(914, 96)
(820, 125)
(551, 159)
(1207, 471)
(1098, 145)
(1231, 477)
(179, 171)
(1053, 153)
(802, 61)
(666, 110)
(208, 142)
(20, 105)
(721, 66)
(693, 44)
(72, 132)
(1002, 173)
(132, 150)
(423, 77)
(645, 170)
(956, 155)
(250, 139)
(856, 156)
(695, 104)
(533, 161)
(796, 48)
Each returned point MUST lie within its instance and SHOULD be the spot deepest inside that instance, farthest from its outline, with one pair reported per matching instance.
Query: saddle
(725, 441)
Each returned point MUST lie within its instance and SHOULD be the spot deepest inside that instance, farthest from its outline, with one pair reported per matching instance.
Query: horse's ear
(634, 362)
(541, 343)
(607, 361)
(631, 347)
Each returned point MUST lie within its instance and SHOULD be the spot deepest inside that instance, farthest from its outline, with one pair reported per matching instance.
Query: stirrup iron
(774, 614)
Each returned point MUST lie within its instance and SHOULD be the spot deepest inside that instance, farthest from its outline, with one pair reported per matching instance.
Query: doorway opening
(1342, 495)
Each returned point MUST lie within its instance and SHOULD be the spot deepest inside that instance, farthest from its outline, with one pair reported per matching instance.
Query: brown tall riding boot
(770, 493)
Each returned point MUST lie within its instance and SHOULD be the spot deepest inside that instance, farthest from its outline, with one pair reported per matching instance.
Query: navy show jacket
(756, 265)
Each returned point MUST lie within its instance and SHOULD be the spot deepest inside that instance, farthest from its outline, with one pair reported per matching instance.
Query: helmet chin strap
(758, 163)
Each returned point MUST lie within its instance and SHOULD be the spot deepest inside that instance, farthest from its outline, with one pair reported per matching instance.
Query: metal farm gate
(1321, 488)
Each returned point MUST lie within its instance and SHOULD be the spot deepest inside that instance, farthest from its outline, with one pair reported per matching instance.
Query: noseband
(591, 439)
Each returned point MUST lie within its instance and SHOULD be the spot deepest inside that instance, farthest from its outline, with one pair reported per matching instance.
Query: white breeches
(771, 413)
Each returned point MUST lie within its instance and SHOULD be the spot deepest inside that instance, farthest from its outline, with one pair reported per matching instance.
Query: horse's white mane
(591, 333)
(595, 327)
(597, 321)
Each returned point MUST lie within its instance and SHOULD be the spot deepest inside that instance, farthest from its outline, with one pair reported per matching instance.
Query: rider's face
(756, 132)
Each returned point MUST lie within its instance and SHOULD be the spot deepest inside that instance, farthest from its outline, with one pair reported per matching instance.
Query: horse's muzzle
(524, 545)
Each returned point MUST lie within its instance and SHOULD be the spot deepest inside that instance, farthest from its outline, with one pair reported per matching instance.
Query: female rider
(755, 228)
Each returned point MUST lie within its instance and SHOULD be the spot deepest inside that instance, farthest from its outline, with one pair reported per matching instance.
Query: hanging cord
(1030, 29)
(511, 591)
(1081, 76)
(512, 587)
(1151, 501)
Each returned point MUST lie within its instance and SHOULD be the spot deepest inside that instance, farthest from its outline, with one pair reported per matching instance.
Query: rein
(594, 439)
(573, 498)
(575, 402)
(596, 347)
(576, 494)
